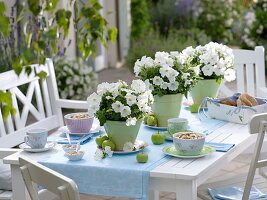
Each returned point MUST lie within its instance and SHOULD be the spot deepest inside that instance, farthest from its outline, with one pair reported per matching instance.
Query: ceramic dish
(138, 146)
(156, 127)
(49, 145)
(170, 150)
(74, 155)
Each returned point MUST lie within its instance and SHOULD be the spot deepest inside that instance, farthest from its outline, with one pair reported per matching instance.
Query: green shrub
(220, 19)
(153, 42)
(140, 18)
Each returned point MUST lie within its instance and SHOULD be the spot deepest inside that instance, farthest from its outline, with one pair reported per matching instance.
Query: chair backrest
(30, 95)
(257, 125)
(250, 72)
(34, 173)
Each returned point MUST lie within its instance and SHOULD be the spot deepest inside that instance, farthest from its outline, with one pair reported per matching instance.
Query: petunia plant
(166, 74)
(215, 61)
(120, 102)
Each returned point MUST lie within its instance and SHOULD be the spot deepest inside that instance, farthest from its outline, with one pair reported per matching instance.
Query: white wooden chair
(41, 100)
(250, 73)
(6, 195)
(35, 174)
(258, 125)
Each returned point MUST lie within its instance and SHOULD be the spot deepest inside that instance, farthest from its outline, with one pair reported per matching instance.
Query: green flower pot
(204, 88)
(119, 133)
(167, 107)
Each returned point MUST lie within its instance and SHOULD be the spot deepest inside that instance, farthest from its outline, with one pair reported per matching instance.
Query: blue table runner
(120, 175)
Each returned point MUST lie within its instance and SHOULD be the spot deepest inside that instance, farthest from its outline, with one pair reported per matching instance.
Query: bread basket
(237, 114)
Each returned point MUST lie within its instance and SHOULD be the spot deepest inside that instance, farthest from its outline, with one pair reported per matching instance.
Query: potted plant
(215, 62)
(169, 80)
(120, 108)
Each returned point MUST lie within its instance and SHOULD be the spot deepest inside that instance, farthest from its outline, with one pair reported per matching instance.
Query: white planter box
(240, 114)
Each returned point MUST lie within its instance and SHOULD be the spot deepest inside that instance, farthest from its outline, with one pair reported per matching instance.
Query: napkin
(220, 147)
(234, 193)
(82, 139)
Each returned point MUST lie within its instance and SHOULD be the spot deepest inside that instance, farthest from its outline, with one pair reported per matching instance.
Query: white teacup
(36, 138)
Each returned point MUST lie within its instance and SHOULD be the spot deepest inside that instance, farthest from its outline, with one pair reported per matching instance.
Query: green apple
(194, 108)
(142, 157)
(158, 138)
(152, 121)
(108, 143)
(100, 139)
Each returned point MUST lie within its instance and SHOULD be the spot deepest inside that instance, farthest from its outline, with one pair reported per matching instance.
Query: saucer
(156, 127)
(49, 145)
(170, 150)
(138, 146)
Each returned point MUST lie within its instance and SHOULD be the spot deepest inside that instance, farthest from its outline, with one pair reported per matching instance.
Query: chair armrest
(74, 104)
(4, 152)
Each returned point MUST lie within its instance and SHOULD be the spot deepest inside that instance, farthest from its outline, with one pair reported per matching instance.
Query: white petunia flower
(229, 75)
(131, 99)
(117, 106)
(131, 121)
(207, 70)
(173, 86)
(128, 147)
(99, 155)
(108, 151)
(187, 82)
(157, 80)
(185, 75)
(164, 85)
(103, 88)
(138, 86)
(92, 109)
(164, 71)
(94, 99)
(172, 75)
(125, 111)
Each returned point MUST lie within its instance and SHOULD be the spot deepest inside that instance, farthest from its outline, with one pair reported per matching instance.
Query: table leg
(186, 190)
(153, 195)
(18, 187)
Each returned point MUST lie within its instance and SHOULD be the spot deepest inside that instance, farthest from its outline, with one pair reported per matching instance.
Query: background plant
(140, 18)
(75, 79)
(176, 40)
(44, 25)
(255, 32)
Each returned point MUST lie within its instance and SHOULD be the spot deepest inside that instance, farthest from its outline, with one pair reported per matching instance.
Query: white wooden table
(182, 176)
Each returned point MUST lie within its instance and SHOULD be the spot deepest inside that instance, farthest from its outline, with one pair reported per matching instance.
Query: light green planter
(167, 107)
(119, 133)
(204, 88)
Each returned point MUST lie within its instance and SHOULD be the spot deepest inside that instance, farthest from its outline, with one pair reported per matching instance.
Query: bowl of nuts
(79, 122)
(188, 143)
(74, 155)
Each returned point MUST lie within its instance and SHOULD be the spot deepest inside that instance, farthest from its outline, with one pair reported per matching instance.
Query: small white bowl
(74, 155)
(70, 147)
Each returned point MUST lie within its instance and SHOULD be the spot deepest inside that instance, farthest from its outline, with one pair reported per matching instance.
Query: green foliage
(140, 18)
(221, 20)
(43, 26)
(149, 44)
(256, 30)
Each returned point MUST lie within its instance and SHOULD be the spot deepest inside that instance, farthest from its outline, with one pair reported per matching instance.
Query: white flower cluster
(213, 59)
(74, 78)
(122, 99)
(165, 72)
(100, 154)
